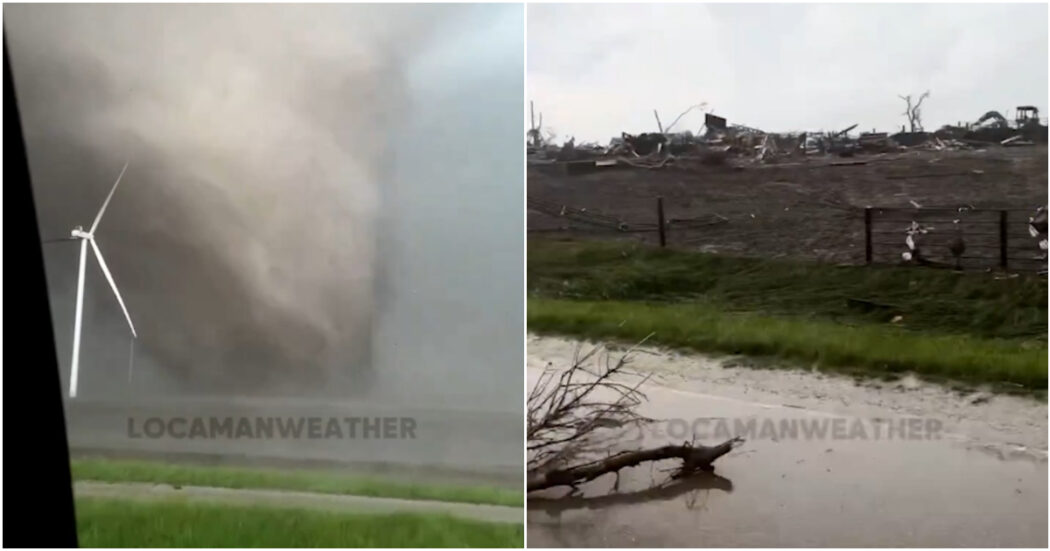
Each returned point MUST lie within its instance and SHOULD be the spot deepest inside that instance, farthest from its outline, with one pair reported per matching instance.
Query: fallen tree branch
(694, 458)
(668, 490)
(568, 417)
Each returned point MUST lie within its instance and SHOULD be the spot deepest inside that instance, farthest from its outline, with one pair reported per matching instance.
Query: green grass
(928, 300)
(964, 327)
(826, 344)
(119, 470)
(126, 523)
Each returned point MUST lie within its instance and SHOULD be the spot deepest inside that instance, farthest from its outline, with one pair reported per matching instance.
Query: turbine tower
(88, 237)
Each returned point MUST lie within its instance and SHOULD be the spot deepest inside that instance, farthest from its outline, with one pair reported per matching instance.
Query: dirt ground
(806, 208)
(980, 479)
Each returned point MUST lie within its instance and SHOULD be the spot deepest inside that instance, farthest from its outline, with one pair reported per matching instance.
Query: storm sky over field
(596, 70)
(302, 208)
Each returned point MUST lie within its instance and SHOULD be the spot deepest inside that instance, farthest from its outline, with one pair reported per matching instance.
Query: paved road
(981, 481)
(307, 500)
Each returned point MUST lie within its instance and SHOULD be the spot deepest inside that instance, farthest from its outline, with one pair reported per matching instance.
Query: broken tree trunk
(694, 458)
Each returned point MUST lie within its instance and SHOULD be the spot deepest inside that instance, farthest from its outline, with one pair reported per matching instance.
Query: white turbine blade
(112, 284)
(105, 204)
(76, 322)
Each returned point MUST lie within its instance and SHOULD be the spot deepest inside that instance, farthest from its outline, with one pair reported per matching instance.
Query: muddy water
(971, 470)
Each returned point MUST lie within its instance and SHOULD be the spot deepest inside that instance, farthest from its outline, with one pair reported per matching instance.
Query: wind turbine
(86, 238)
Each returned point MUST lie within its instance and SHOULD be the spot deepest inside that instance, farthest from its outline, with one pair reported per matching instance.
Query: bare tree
(534, 134)
(913, 112)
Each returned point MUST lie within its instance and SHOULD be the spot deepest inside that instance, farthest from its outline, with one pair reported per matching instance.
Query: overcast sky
(594, 70)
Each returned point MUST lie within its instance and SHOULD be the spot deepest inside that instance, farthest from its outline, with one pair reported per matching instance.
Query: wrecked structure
(718, 141)
(993, 127)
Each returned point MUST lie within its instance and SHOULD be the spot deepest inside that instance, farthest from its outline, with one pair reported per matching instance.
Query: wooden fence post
(660, 221)
(1002, 240)
(867, 235)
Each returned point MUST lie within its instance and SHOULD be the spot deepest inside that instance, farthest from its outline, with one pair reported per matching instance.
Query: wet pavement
(291, 499)
(870, 469)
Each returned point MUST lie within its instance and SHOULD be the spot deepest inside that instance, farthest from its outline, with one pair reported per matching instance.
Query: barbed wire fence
(963, 238)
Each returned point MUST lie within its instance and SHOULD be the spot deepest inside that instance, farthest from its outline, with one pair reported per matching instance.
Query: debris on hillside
(1015, 141)
(876, 142)
(912, 241)
(722, 143)
(1037, 228)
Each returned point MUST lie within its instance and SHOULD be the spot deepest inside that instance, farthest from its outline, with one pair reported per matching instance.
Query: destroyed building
(718, 140)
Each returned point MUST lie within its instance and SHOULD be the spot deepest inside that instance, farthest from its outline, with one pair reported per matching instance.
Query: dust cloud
(321, 200)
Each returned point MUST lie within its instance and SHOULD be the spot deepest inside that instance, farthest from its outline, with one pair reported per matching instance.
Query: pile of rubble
(935, 143)
(719, 141)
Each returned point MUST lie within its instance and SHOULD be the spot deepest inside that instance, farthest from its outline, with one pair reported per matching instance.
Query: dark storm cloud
(243, 236)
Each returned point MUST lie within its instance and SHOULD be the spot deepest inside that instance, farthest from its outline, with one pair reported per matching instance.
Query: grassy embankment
(120, 470)
(126, 523)
(104, 522)
(973, 328)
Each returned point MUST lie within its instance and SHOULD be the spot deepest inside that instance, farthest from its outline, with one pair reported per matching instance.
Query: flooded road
(914, 464)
